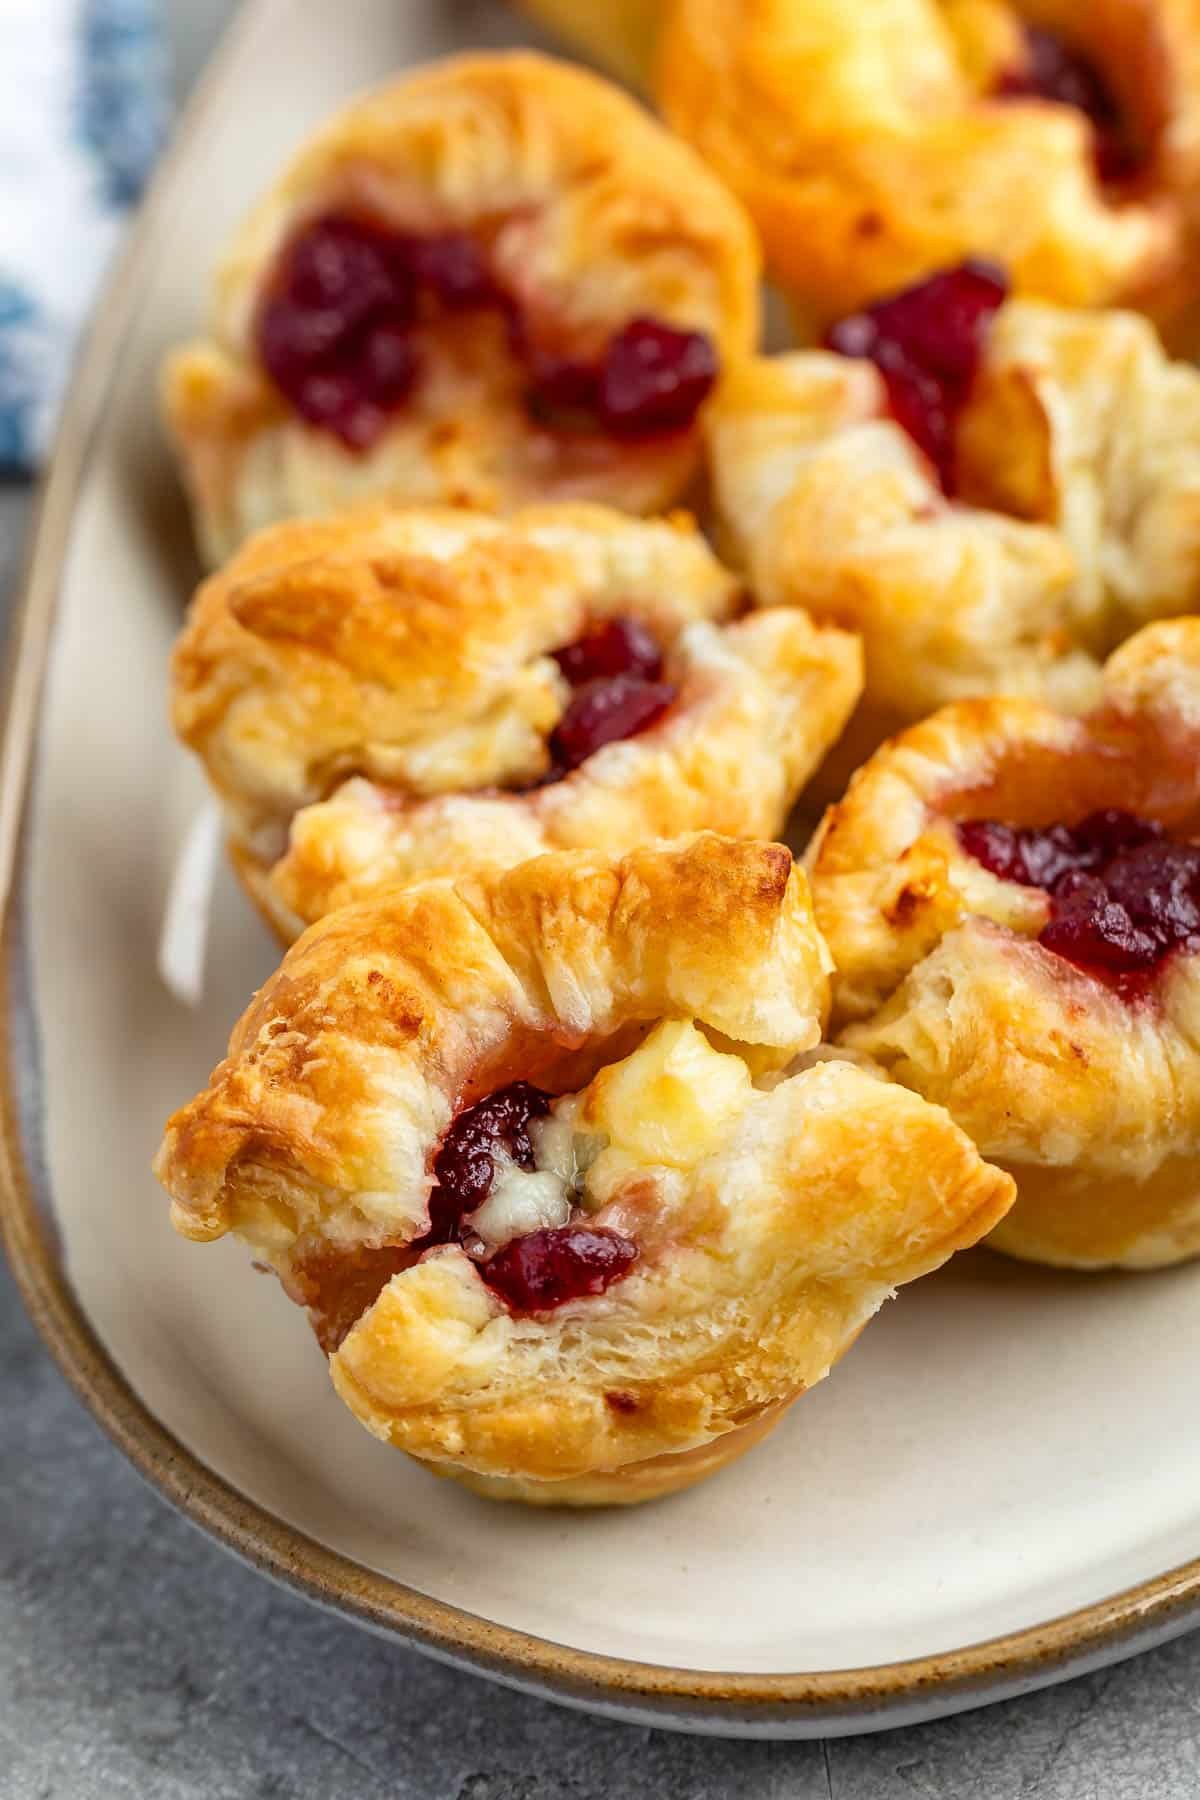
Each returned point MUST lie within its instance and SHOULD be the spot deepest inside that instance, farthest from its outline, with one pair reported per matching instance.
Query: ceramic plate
(1000, 1486)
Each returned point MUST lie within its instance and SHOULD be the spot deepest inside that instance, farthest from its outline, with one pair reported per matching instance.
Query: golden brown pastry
(394, 693)
(994, 493)
(494, 281)
(876, 142)
(527, 1147)
(619, 34)
(1012, 899)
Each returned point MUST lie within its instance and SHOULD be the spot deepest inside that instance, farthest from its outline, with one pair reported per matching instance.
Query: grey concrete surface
(138, 1660)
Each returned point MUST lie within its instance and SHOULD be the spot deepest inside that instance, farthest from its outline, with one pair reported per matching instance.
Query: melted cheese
(671, 1101)
(521, 1201)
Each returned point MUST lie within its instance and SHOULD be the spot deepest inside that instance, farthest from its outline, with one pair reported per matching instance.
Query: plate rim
(806, 1704)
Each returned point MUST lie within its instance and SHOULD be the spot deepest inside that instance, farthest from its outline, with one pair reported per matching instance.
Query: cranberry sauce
(335, 332)
(532, 1273)
(1054, 71)
(604, 712)
(548, 1268)
(654, 379)
(545, 1268)
(1123, 895)
(464, 1165)
(927, 343)
(337, 335)
(651, 379)
(615, 670)
(611, 647)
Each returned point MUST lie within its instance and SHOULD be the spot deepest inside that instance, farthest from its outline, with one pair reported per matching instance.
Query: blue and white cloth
(83, 110)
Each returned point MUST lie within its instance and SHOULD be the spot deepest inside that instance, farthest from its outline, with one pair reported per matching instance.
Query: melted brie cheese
(671, 1101)
(521, 1201)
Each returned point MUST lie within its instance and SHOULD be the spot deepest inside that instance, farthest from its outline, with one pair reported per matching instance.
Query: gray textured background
(136, 1659)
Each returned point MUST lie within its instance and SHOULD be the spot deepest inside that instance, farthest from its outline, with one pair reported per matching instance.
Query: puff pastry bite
(495, 281)
(1012, 899)
(994, 492)
(528, 1149)
(619, 34)
(876, 142)
(393, 693)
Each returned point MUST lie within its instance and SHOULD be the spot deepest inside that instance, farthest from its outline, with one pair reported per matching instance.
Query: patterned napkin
(83, 107)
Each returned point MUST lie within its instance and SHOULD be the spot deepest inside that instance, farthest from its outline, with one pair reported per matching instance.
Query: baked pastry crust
(769, 1225)
(364, 689)
(619, 34)
(1089, 1094)
(595, 215)
(1077, 521)
(869, 146)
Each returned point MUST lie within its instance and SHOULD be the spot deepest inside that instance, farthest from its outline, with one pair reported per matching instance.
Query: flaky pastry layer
(1077, 521)
(870, 148)
(772, 1211)
(373, 696)
(595, 215)
(1089, 1091)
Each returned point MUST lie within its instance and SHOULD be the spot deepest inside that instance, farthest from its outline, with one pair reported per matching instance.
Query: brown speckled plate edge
(802, 1705)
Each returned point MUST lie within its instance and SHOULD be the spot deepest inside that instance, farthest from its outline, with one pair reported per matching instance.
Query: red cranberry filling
(452, 267)
(335, 331)
(335, 334)
(605, 711)
(655, 379)
(927, 343)
(465, 1166)
(652, 379)
(547, 1268)
(1054, 71)
(563, 391)
(611, 647)
(614, 668)
(1123, 895)
(533, 1273)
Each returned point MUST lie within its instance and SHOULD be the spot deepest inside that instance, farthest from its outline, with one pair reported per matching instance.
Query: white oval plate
(999, 1487)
